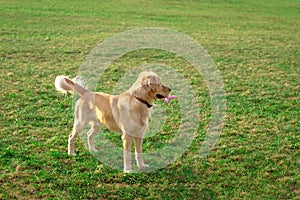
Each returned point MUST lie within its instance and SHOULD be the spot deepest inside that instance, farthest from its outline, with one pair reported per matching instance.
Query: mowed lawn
(255, 45)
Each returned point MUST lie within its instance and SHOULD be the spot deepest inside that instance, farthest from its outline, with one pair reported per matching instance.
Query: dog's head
(150, 85)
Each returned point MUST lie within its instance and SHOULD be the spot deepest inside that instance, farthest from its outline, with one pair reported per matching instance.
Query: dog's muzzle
(160, 96)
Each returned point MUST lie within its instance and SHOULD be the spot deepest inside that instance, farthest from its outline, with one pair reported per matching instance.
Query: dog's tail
(65, 85)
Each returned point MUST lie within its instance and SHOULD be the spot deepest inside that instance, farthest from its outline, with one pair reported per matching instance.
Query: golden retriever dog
(126, 113)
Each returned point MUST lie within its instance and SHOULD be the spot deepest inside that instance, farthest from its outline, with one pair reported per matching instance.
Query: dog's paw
(72, 154)
(94, 150)
(143, 166)
(127, 171)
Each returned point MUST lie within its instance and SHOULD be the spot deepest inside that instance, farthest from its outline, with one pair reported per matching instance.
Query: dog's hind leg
(95, 126)
(77, 128)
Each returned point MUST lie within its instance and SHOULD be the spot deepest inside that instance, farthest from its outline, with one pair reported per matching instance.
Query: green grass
(255, 45)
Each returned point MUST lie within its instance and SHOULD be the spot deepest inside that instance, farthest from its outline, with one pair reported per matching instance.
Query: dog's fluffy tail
(64, 84)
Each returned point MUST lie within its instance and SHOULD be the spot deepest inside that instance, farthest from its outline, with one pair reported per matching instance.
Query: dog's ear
(145, 81)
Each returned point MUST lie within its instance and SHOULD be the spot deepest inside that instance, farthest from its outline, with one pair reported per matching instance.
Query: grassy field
(255, 45)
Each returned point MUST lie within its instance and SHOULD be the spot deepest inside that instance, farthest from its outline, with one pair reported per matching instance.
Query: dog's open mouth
(159, 96)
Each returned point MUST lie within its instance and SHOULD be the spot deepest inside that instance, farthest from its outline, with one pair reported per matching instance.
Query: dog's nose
(169, 89)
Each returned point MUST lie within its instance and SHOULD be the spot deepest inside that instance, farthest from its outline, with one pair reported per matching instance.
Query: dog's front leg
(138, 153)
(127, 141)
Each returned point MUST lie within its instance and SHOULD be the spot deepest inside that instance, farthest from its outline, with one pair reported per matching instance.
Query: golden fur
(126, 113)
